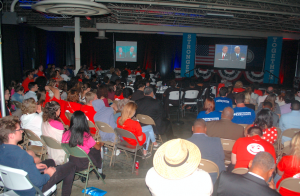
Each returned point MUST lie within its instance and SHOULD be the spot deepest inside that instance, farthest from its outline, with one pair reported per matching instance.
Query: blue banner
(273, 57)
(188, 54)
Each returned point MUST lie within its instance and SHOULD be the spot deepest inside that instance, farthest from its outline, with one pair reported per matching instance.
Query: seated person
(72, 103)
(33, 87)
(166, 178)
(288, 98)
(143, 134)
(269, 90)
(127, 93)
(139, 93)
(119, 92)
(153, 108)
(52, 127)
(272, 99)
(230, 94)
(222, 101)
(290, 120)
(238, 87)
(269, 105)
(192, 87)
(88, 109)
(242, 114)
(229, 129)
(209, 113)
(31, 119)
(19, 94)
(106, 115)
(247, 100)
(13, 156)
(255, 182)
(102, 93)
(79, 135)
(289, 166)
(210, 147)
(264, 120)
(244, 149)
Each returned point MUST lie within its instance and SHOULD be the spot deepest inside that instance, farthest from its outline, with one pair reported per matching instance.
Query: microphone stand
(179, 122)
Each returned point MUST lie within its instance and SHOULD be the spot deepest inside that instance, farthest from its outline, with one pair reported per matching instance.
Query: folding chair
(101, 126)
(126, 146)
(240, 170)
(108, 75)
(148, 121)
(79, 153)
(18, 180)
(278, 141)
(209, 166)
(291, 184)
(38, 150)
(287, 133)
(96, 136)
(52, 143)
(190, 94)
(68, 115)
(174, 96)
(227, 145)
(159, 83)
(17, 104)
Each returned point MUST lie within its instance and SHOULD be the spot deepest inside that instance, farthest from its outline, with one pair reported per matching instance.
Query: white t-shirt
(261, 99)
(65, 77)
(197, 184)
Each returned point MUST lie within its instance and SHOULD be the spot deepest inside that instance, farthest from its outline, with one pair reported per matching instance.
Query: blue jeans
(148, 130)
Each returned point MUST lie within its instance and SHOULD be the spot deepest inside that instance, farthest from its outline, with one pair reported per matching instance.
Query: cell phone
(270, 179)
(41, 170)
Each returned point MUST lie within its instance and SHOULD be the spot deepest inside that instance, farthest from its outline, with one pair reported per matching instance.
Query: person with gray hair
(237, 55)
(152, 107)
(258, 181)
(210, 147)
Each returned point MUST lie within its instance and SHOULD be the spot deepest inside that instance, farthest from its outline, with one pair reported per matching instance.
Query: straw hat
(176, 159)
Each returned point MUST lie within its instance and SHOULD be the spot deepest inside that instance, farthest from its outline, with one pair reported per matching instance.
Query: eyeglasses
(21, 129)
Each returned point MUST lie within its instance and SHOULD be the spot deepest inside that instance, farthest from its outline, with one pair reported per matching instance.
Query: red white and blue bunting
(230, 75)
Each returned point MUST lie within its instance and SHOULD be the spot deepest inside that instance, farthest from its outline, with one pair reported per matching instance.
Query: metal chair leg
(134, 160)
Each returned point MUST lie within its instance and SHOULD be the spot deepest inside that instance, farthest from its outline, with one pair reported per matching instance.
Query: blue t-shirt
(209, 117)
(221, 103)
(243, 115)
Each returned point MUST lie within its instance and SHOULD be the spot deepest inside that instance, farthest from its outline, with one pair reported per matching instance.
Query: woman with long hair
(102, 93)
(52, 127)
(238, 87)
(247, 101)
(209, 113)
(142, 134)
(119, 92)
(289, 166)
(7, 102)
(111, 87)
(72, 104)
(79, 135)
(264, 120)
(272, 99)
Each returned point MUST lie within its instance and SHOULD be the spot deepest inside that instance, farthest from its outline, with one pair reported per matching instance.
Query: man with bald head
(255, 182)
(210, 147)
(225, 129)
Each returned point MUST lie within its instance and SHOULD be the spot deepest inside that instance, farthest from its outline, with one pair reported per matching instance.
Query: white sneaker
(118, 152)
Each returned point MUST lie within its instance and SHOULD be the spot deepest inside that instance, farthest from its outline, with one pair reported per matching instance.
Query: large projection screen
(126, 51)
(230, 56)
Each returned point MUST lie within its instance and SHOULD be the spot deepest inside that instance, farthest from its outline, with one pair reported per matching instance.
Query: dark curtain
(70, 49)
(12, 69)
(288, 62)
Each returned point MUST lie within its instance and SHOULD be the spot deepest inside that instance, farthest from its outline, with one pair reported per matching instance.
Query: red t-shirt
(143, 75)
(285, 165)
(89, 113)
(72, 106)
(25, 84)
(220, 85)
(259, 92)
(98, 69)
(129, 71)
(238, 90)
(247, 147)
(135, 128)
(118, 97)
(40, 73)
(137, 72)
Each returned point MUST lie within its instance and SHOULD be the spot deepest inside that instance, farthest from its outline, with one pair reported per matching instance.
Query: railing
(271, 74)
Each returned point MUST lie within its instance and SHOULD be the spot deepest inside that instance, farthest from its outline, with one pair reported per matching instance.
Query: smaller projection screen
(230, 56)
(126, 51)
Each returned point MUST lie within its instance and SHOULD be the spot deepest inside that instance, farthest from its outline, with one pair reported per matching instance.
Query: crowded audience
(254, 119)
